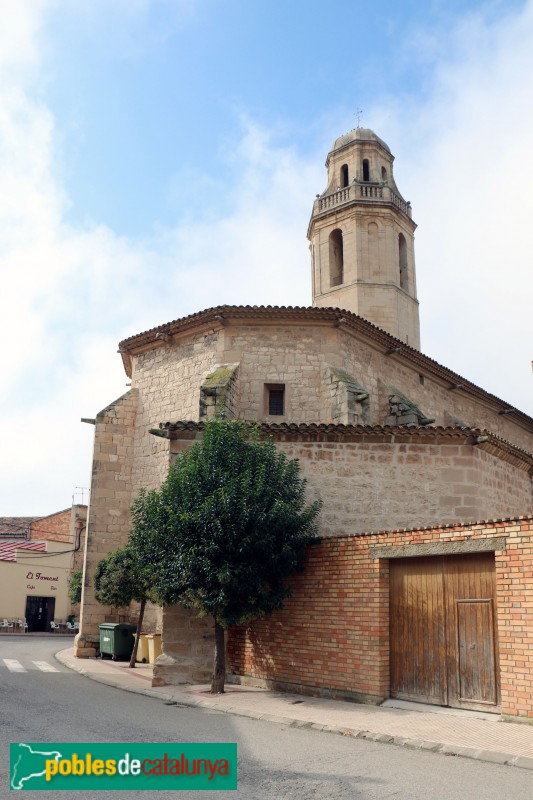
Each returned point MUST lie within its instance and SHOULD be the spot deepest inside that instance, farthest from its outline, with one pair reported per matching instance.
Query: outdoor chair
(55, 627)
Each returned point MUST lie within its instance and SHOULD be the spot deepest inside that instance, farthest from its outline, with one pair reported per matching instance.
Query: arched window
(344, 175)
(402, 247)
(383, 174)
(366, 170)
(336, 258)
(373, 272)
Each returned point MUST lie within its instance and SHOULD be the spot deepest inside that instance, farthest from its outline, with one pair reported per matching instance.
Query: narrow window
(276, 400)
(366, 170)
(336, 258)
(344, 175)
(402, 246)
(383, 174)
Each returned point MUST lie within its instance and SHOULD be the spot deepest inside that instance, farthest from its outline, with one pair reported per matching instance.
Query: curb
(180, 699)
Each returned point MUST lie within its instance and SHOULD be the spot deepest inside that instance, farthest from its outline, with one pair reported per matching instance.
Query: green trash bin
(117, 640)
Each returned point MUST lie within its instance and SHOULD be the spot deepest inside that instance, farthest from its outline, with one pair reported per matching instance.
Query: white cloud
(463, 160)
(70, 294)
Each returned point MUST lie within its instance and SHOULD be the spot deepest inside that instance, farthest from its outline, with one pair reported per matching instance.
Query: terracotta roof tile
(8, 549)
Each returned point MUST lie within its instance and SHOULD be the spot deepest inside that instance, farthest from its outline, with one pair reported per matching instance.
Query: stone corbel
(402, 410)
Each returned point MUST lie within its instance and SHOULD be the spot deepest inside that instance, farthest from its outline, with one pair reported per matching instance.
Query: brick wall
(55, 527)
(332, 637)
(514, 570)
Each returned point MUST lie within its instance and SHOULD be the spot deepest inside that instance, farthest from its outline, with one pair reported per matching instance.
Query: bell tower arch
(361, 237)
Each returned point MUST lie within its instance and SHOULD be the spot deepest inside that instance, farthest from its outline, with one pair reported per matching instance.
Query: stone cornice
(473, 545)
(402, 434)
(470, 528)
(220, 316)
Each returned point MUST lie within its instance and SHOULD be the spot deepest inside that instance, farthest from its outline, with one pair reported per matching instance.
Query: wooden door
(443, 630)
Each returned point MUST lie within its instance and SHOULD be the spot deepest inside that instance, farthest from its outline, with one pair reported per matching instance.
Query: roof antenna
(358, 114)
(79, 490)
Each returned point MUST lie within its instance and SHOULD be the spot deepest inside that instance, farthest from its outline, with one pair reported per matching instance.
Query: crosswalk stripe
(13, 665)
(45, 666)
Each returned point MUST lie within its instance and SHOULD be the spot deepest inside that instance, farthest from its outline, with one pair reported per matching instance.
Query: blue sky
(158, 157)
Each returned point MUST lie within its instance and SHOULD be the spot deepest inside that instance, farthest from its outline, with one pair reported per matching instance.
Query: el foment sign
(38, 576)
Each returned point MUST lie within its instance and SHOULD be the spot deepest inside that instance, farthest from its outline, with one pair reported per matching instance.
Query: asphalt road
(275, 762)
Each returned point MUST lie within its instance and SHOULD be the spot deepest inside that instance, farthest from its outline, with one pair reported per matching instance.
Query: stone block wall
(108, 521)
(300, 355)
(389, 479)
(380, 374)
(332, 637)
(188, 646)
(385, 478)
(219, 393)
(168, 380)
(349, 400)
(281, 354)
(371, 281)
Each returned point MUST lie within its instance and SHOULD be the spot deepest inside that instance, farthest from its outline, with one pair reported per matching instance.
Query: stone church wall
(281, 354)
(379, 485)
(108, 520)
(330, 374)
(300, 357)
(168, 380)
(393, 477)
(378, 373)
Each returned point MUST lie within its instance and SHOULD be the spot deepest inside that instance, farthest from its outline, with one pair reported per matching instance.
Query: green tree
(75, 585)
(119, 579)
(226, 529)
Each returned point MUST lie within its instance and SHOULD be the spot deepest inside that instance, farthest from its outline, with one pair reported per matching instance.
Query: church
(426, 479)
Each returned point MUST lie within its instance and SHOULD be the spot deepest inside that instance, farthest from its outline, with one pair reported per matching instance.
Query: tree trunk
(219, 663)
(133, 658)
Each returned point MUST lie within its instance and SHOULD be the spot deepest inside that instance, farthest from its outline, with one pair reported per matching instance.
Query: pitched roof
(8, 548)
(16, 526)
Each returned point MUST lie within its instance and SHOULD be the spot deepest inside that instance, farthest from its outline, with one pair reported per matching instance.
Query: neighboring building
(37, 557)
(386, 436)
(16, 527)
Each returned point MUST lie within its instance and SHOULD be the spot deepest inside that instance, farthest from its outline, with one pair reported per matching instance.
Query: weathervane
(358, 115)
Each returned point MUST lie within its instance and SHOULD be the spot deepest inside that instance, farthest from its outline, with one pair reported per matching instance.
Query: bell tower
(361, 237)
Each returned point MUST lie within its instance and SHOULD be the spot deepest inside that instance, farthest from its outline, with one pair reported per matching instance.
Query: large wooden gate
(443, 630)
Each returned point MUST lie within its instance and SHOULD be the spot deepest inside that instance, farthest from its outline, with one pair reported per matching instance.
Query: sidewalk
(463, 733)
